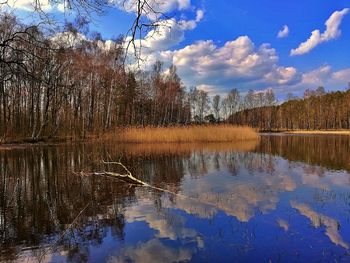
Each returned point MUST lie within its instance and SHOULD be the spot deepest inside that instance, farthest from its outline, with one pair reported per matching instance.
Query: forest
(317, 110)
(49, 88)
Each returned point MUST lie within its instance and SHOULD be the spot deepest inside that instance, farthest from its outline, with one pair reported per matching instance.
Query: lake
(285, 198)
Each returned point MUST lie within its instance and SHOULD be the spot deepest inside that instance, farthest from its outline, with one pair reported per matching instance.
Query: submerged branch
(127, 177)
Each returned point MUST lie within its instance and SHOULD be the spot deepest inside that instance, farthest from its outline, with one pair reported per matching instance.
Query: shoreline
(27, 142)
(310, 132)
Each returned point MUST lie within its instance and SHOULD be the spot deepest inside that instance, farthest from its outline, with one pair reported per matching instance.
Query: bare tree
(233, 99)
(216, 104)
(202, 104)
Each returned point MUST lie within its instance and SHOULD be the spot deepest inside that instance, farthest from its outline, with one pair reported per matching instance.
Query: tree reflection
(42, 192)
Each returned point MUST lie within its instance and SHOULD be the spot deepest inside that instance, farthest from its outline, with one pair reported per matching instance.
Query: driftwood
(123, 177)
(127, 178)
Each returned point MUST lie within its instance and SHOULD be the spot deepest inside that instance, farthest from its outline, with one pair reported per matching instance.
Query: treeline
(67, 85)
(48, 89)
(316, 110)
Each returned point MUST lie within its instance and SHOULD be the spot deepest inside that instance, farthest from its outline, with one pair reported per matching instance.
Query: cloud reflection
(318, 220)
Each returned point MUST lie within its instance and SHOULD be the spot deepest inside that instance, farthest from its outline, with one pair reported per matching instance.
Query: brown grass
(188, 134)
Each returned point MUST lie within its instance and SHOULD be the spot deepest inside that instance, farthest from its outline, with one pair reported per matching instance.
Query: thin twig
(64, 233)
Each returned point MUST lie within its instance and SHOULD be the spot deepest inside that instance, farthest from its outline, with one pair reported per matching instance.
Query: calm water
(283, 199)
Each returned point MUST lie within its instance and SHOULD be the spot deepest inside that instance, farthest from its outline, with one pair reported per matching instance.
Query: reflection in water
(318, 220)
(152, 251)
(331, 152)
(283, 224)
(232, 203)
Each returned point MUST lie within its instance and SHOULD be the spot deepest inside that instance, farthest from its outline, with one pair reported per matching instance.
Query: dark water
(283, 199)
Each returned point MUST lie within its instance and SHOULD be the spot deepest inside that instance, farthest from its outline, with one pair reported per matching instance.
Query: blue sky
(219, 45)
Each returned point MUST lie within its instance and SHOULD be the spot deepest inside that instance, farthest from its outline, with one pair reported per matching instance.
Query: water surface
(283, 199)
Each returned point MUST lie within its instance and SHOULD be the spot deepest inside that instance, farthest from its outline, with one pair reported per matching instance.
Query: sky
(219, 45)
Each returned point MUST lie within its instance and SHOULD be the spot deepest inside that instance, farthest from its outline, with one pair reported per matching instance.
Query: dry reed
(187, 134)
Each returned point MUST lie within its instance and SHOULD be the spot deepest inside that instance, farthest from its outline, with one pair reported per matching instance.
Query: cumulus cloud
(238, 62)
(342, 75)
(325, 75)
(282, 75)
(332, 32)
(75, 40)
(68, 39)
(29, 5)
(236, 59)
(317, 76)
(154, 8)
(157, 43)
(153, 11)
(284, 32)
(168, 33)
(217, 68)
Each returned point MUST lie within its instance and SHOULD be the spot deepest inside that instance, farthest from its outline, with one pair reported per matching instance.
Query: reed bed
(187, 134)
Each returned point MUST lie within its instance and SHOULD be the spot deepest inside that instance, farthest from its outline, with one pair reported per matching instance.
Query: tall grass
(187, 134)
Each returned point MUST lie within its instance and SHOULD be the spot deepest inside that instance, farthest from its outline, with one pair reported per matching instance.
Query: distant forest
(317, 110)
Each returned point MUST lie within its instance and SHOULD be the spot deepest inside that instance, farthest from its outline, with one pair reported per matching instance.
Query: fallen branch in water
(127, 178)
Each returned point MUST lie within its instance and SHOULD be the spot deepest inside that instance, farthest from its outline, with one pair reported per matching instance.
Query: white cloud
(238, 63)
(68, 39)
(199, 15)
(167, 34)
(30, 5)
(236, 59)
(342, 75)
(241, 64)
(284, 32)
(317, 76)
(282, 75)
(192, 24)
(324, 76)
(316, 38)
(154, 8)
(156, 44)
(74, 40)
